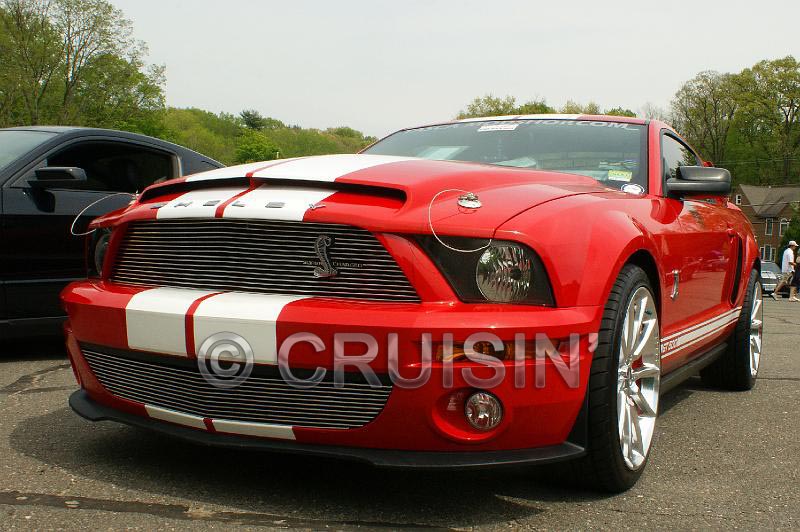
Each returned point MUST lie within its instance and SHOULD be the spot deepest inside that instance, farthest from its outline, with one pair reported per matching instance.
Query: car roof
(551, 116)
(48, 129)
(556, 116)
(66, 132)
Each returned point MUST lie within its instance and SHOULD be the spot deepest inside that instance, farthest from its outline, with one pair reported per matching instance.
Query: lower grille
(177, 384)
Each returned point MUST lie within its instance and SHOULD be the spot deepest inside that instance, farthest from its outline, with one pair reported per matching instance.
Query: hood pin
(469, 201)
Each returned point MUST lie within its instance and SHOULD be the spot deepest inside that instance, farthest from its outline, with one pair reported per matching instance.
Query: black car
(48, 176)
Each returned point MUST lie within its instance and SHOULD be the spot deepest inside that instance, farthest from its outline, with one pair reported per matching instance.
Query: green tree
(703, 110)
(489, 106)
(769, 99)
(575, 108)
(620, 111)
(253, 147)
(213, 135)
(73, 62)
(252, 119)
(492, 106)
(534, 107)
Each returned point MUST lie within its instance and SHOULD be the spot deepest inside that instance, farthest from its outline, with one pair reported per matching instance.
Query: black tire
(732, 371)
(603, 467)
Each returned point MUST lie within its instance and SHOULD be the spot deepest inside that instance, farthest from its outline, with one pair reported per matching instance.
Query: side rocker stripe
(691, 328)
(693, 335)
(697, 340)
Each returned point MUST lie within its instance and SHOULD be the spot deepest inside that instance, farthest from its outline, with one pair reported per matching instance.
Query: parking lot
(721, 460)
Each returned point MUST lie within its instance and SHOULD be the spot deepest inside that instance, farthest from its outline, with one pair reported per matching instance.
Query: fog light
(483, 410)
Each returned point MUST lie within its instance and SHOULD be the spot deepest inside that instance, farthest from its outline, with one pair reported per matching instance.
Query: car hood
(381, 193)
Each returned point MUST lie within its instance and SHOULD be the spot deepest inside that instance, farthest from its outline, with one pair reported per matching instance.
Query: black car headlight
(96, 252)
(499, 271)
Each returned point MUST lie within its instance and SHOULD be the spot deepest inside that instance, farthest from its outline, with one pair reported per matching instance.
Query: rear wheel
(738, 368)
(624, 385)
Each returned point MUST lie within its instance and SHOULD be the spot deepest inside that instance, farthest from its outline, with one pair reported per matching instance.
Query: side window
(675, 154)
(116, 166)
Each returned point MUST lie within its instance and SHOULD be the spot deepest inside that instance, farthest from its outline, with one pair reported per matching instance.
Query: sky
(378, 66)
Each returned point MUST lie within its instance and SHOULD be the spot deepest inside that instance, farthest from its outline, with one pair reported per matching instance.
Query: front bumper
(84, 406)
(417, 421)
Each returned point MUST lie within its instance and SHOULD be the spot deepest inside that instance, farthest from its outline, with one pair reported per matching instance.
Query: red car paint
(583, 232)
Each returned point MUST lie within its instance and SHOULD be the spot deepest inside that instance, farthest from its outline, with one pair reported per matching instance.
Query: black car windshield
(613, 153)
(15, 144)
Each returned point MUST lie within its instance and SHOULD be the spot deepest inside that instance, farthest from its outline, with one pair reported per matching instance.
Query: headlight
(98, 246)
(503, 272)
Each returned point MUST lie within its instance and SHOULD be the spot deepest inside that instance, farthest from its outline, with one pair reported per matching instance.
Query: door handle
(731, 232)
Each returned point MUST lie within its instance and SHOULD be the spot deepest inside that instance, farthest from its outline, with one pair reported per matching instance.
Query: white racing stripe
(681, 340)
(709, 321)
(251, 316)
(230, 172)
(263, 430)
(276, 203)
(326, 168)
(156, 319)
(198, 203)
(179, 418)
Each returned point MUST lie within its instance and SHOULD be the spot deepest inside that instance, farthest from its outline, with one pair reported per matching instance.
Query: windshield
(15, 144)
(610, 152)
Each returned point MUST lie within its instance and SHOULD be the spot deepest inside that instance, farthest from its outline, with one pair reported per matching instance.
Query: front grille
(261, 256)
(177, 384)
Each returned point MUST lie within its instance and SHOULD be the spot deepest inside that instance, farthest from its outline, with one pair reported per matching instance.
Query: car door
(40, 255)
(708, 246)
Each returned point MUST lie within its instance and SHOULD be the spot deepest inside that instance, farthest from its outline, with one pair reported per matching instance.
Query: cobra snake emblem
(325, 269)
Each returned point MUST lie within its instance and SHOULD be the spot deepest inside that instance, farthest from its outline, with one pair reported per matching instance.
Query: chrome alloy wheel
(756, 330)
(638, 378)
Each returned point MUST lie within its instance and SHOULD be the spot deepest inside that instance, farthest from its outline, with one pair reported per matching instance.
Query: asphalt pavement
(721, 460)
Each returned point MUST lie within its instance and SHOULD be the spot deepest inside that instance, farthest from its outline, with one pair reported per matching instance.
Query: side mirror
(699, 181)
(58, 177)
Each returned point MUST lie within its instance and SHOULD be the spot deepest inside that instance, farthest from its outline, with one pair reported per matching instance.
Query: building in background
(769, 210)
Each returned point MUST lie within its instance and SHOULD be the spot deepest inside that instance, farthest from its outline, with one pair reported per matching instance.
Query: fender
(583, 274)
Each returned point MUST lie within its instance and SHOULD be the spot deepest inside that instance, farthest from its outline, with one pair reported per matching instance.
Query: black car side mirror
(58, 177)
(699, 181)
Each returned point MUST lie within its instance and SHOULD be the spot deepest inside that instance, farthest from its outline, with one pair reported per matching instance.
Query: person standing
(787, 271)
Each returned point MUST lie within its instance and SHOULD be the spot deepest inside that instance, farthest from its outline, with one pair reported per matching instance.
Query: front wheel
(624, 385)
